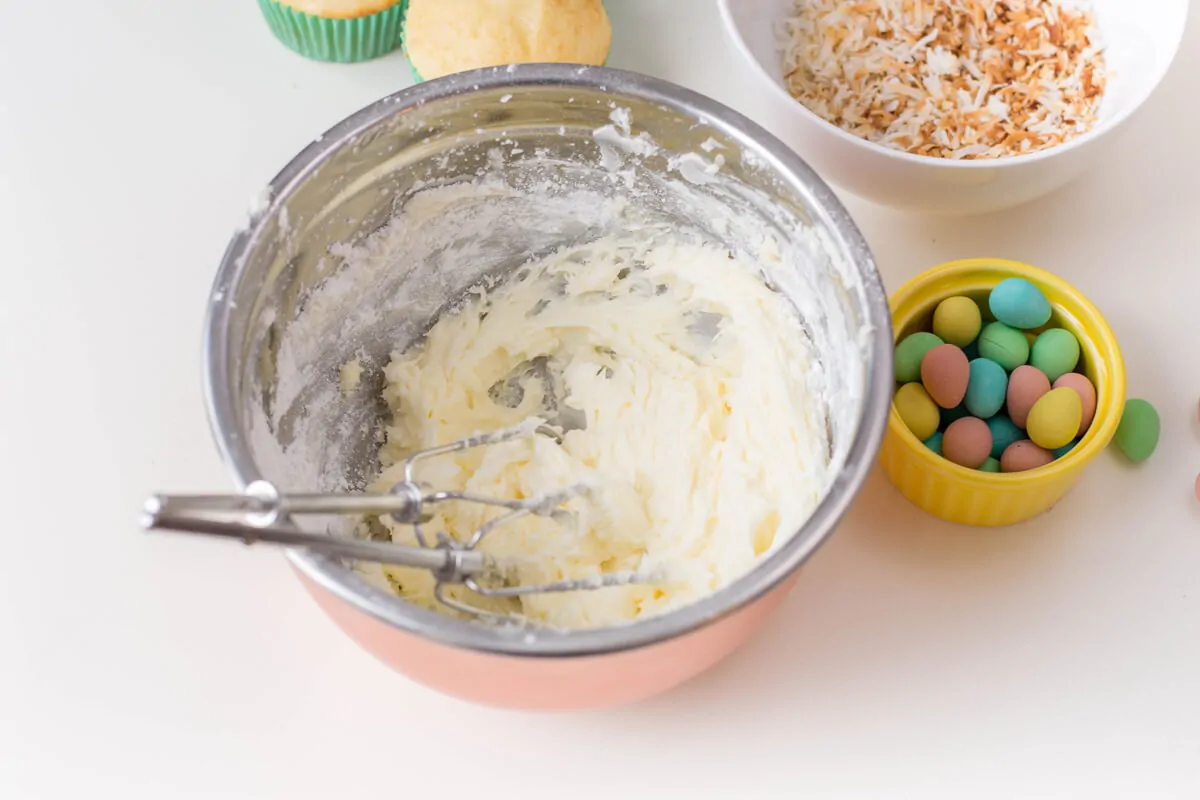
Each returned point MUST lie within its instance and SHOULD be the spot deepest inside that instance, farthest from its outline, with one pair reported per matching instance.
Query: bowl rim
(920, 293)
(769, 573)
(1002, 162)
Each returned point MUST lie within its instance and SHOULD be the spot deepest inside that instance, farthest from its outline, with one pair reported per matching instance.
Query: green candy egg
(986, 387)
(1003, 344)
(1017, 302)
(934, 443)
(1004, 432)
(991, 465)
(1056, 352)
(910, 352)
(957, 321)
(1137, 434)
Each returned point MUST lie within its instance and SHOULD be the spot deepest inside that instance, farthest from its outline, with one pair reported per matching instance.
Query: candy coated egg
(1087, 394)
(967, 442)
(934, 443)
(1004, 345)
(1026, 386)
(1024, 455)
(972, 350)
(1017, 302)
(1137, 434)
(945, 372)
(1004, 432)
(1030, 337)
(1059, 452)
(986, 388)
(910, 352)
(991, 465)
(957, 321)
(1056, 352)
(917, 410)
(951, 414)
(1054, 419)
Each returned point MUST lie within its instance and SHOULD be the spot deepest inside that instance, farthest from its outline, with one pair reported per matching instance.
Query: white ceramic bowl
(1142, 39)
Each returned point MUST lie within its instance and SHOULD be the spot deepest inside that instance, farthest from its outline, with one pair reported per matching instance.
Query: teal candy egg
(950, 415)
(1003, 344)
(972, 350)
(934, 443)
(1059, 452)
(1017, 302)
(910, 352)
(1055, 352)
(1004, 433)
(986, 387)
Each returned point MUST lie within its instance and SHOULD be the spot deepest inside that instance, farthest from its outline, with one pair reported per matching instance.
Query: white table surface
(915, 659)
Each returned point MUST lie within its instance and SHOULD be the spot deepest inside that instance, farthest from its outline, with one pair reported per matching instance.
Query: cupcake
(445, 36)
(336, 30)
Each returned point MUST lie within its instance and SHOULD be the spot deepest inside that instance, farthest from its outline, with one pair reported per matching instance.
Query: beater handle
(447, 564)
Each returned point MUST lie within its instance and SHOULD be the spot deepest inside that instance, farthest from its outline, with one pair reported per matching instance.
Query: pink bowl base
(550, 684)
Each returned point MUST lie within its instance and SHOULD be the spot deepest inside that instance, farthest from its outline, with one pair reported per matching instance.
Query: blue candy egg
(986, 388)
(1017, 302)
(934, 443)
(1004, 432)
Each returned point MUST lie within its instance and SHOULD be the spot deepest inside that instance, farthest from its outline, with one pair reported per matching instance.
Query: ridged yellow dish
(972, 497)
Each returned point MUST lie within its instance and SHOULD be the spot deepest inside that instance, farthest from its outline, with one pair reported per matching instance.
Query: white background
(915, 660)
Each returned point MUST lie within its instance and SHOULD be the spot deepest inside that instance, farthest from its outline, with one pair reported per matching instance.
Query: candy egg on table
(1139, 429)
(911, 352)
(1016, 479)
(1003, 344)
(945, 374)
(1087, 395)
(1055, 353)
(1026, 386)
(1054, 419)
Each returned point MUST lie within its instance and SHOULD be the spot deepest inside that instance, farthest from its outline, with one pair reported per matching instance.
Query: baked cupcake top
(340, 9)
(445, 36)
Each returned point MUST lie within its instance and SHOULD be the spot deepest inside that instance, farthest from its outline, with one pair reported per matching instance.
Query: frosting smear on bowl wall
(959, 79)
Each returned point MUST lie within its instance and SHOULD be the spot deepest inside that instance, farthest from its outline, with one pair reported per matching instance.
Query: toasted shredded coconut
(960, 79)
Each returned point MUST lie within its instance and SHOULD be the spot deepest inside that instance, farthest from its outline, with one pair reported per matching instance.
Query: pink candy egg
(967, 442)
(1026, 386)
(1024, 455)
(945, 372)
(1087, 393)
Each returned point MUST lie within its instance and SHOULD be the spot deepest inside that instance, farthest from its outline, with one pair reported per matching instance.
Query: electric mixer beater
(255, 515)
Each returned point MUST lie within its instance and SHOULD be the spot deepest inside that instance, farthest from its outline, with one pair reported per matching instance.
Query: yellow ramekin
(968, 496)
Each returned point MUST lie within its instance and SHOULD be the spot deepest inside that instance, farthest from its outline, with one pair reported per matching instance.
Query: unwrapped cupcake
(337, 30)
(445, 36)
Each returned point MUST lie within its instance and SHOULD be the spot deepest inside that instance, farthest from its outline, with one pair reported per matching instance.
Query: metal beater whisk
(254, 516)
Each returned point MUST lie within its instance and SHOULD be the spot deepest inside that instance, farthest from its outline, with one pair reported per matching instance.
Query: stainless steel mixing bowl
(280, 327)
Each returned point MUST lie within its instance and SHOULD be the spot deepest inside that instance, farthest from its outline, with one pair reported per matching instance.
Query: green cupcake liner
(344, 41)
